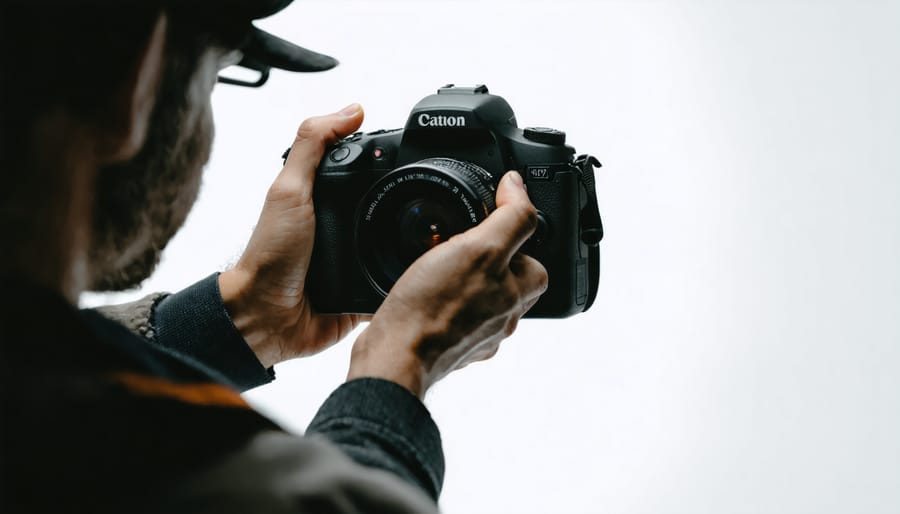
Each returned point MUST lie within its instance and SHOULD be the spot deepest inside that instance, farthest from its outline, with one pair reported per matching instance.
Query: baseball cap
(230, 20)
(260, 50)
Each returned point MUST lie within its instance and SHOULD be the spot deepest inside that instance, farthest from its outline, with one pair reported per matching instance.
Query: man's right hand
(456, 303)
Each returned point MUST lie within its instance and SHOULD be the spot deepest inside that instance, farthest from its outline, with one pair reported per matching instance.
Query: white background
(744, 351)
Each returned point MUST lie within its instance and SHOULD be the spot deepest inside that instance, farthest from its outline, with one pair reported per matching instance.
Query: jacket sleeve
(194, 323)
(376, 423)
(381, 424)
(277, 473)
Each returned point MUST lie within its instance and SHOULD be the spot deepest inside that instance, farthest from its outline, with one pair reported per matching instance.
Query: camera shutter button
(547, 136)
(340, 153)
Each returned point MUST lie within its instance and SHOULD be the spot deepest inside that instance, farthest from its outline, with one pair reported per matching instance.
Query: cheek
(203, 82)
(208, 129)
(199, 125)
(211, 70)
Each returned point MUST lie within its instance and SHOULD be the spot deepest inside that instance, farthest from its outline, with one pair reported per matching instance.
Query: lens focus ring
(478, 178)
(415, 207)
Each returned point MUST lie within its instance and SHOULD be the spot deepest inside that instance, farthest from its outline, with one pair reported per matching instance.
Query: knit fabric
(135, 316)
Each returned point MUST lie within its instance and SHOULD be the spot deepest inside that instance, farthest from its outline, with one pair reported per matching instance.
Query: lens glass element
(425, 224)
(415, 208)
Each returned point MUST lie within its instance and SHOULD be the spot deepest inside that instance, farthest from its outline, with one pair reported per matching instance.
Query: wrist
(388, 356)
(235, 286)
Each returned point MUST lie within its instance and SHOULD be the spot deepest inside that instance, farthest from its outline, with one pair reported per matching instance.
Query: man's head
(138, 79)
(76, 93)
(142, 202)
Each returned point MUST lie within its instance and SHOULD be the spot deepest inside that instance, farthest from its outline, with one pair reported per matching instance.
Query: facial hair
(142, 203)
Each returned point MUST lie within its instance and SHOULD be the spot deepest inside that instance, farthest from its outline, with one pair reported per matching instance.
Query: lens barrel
(415, 208)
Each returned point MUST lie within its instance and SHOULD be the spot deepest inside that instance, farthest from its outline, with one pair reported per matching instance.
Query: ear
(131, 105)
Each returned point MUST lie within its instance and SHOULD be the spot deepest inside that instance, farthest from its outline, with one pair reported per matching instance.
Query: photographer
(106, 126)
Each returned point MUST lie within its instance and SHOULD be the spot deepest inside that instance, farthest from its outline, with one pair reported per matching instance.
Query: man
(106, 125)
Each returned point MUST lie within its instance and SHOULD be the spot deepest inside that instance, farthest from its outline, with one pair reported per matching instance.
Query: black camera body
(383, 198)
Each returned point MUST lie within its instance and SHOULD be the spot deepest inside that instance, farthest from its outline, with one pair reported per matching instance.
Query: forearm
(383, 425)
(375, 422)
(195, 324)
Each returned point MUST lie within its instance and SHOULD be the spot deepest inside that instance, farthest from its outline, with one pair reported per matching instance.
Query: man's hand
(457, 302)
(265, 292)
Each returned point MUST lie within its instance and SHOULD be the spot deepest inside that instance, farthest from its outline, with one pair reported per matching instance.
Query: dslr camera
(384, 198)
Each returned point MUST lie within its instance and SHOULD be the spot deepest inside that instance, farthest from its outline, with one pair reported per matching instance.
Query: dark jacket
(96, 419)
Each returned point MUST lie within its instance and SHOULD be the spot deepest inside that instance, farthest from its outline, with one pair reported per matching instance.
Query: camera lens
(415, 208)
(424, 225)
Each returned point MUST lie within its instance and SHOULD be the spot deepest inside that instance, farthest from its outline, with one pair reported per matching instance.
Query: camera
(384, 198)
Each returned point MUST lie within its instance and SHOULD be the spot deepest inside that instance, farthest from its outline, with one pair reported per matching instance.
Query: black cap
(261, 50)
(229, 20)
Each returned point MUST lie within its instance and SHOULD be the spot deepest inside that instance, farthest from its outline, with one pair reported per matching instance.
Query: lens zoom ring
(478, 177)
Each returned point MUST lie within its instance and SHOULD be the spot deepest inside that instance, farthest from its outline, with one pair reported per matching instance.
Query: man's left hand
(265, 292)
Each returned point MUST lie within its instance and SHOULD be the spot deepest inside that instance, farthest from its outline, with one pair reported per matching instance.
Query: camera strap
(591, 224)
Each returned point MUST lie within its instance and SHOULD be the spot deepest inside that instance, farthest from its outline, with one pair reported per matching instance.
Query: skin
(428, 325)
(264, 292)
(456, 303)
(141, 203)
(452, 307)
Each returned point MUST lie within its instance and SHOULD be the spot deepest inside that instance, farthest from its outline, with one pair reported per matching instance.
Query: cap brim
(274, 52)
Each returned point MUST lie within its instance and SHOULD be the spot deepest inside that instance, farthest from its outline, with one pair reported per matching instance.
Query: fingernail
(516, 179)
(351, 110)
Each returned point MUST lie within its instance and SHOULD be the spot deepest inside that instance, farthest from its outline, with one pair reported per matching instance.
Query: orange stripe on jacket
(205, 393)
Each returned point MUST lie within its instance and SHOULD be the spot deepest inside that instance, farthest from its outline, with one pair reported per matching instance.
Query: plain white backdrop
(743, 354)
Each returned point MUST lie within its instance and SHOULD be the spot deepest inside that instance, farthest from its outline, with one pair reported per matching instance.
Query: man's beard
(142, 203)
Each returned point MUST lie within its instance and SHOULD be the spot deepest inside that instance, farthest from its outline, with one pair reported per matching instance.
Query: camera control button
(547, 136)
(542, 230)
(340, 153)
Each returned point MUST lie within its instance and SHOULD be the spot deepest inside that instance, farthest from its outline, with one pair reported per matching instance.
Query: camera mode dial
(545, 135)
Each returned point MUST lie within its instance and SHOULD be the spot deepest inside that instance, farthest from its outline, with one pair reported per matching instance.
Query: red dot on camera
(378, 153)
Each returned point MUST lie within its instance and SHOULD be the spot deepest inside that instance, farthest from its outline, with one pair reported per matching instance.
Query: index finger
(514, 220)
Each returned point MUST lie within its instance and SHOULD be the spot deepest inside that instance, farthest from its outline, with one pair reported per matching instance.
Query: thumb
(511, 190)
(320, 131)
(514, 219)
(313, 137)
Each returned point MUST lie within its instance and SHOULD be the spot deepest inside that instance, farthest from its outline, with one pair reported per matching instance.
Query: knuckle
(543, 278)
(310, 130)
(536, 273)
(511, 327)
(281, 190)
(527, 214)
(508, 299)
(282, 187)
(479, 253)
(492, 251)
(288, 193)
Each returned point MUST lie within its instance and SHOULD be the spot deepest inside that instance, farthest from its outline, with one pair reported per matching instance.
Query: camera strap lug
(591, 224)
